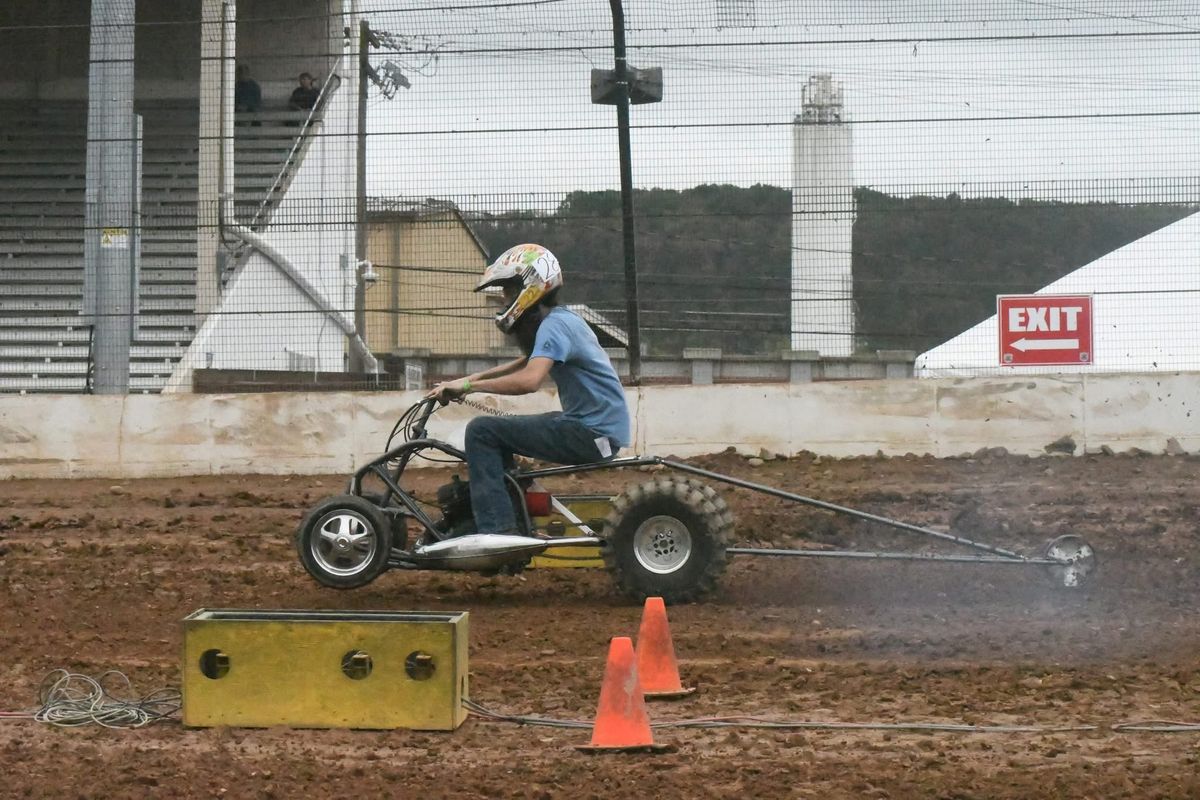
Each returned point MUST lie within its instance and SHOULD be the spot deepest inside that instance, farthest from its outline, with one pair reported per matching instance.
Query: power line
(800, 43)
(751, 124)
(1099, 14)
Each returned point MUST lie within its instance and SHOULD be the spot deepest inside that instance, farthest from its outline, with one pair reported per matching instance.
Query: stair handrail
(331, 83)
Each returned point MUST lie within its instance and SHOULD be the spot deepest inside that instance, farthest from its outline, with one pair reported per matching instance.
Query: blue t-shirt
(588, 386)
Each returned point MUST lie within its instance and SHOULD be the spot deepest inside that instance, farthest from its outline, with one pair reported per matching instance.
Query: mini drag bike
(666, 536)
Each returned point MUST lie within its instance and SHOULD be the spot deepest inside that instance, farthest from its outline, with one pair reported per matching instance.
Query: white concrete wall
(263, 316)
(184, 434)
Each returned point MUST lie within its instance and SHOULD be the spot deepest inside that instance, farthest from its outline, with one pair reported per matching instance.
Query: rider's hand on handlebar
(450, 390)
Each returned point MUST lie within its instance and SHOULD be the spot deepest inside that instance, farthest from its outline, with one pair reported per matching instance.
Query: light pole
(621, 87)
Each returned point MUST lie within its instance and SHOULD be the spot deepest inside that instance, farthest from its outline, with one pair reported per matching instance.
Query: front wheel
(667, 538)
(344, 542)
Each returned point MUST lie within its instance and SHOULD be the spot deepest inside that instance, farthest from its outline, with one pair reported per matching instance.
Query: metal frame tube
(764, 551)
(809, 501)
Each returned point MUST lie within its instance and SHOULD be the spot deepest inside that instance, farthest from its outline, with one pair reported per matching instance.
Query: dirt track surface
(97, 575)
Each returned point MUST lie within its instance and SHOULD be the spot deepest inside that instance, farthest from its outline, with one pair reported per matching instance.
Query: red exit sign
(1044, 329)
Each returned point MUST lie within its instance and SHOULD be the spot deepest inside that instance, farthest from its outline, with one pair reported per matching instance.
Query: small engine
(454, 499)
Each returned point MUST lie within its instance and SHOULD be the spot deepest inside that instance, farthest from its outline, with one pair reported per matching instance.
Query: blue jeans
(491, 443)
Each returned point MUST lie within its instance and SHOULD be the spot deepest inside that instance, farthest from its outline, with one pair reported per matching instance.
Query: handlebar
(412, 422)
(427, 406)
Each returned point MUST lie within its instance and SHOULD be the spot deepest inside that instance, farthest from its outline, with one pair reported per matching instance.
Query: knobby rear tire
(646, 528)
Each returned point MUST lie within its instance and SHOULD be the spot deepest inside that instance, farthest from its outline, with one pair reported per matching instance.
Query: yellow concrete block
(325, 669)
(587, 508)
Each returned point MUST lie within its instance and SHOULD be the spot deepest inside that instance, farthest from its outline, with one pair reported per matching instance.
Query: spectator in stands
(247, 95)
(305, 95)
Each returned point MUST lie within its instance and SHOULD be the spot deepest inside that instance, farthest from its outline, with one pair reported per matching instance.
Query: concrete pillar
(218, 52)
(801, 365)
(703, 363)
(897, 364)
(110, 288)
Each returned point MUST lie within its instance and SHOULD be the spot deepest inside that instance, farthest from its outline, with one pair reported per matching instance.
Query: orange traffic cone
(621, 722)
(657, 668)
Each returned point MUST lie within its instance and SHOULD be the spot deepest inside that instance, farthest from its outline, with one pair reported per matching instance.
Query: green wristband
(466, 386)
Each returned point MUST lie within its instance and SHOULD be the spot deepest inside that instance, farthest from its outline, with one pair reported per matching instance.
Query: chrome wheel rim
(1078, 560)
(345, 544)
(662, 545)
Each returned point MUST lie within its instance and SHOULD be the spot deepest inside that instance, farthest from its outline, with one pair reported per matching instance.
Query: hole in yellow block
(419, 666)
(357, 665)
(214, 664)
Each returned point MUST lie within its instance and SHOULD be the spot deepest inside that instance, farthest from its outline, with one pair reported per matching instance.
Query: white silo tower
(822, 222)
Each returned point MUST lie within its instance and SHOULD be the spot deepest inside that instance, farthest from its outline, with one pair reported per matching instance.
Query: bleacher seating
(44, 343)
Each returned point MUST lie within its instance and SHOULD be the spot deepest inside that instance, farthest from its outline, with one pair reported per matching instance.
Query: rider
(594, 422)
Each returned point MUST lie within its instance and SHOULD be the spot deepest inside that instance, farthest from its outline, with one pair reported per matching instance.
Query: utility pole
(387, 80)
(360, 213)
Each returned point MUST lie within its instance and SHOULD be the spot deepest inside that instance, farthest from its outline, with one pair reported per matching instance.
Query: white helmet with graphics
(530, 269)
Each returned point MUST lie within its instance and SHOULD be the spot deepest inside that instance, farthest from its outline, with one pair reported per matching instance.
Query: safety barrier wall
(61, 436)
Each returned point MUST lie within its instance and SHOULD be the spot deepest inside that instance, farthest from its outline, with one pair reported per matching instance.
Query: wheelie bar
(999, 555)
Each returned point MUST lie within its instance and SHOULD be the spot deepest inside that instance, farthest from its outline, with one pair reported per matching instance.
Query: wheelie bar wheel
(667, 538)
(344, 542)
(1078, 557)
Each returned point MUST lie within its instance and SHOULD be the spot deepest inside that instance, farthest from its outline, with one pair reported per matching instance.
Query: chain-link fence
(267, 194)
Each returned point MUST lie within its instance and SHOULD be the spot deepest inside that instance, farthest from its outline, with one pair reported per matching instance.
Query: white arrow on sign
(1045, 344)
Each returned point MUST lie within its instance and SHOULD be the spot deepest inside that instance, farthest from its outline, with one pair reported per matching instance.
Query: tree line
(714, 261)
